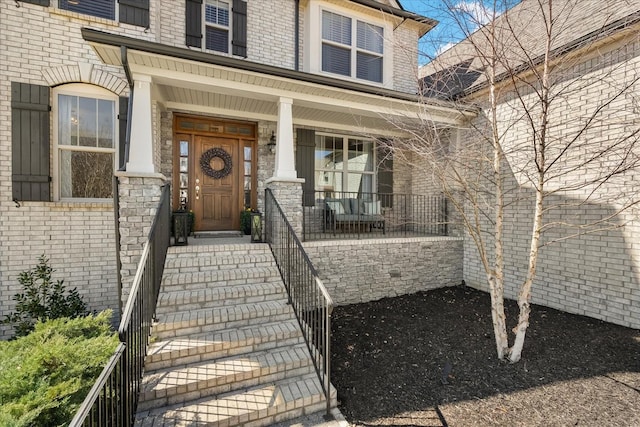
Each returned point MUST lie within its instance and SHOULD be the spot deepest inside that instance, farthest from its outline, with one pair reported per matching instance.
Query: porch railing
(307, 295)
(359, 215)
(114, 397)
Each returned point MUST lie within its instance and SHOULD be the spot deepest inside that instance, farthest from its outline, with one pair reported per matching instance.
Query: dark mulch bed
(389, 357)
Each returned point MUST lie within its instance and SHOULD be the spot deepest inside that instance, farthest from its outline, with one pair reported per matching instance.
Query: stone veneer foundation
(355, 271)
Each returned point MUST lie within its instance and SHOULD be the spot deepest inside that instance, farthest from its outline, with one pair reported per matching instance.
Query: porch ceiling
(184, 84)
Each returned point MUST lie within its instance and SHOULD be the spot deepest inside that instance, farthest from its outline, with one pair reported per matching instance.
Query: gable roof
(577, 23)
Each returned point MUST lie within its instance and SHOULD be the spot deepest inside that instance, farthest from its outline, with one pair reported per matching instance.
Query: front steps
(226, 348)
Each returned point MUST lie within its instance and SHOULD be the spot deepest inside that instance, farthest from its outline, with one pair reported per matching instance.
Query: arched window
(86, 140)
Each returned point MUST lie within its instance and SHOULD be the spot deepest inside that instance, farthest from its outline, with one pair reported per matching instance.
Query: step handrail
(306, 293)
(114, 398)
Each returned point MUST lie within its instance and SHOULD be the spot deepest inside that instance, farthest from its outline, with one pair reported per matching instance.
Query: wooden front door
(217, 201)
(214, 170)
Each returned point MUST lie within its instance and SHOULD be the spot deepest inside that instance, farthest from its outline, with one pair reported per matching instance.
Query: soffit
(180, 83)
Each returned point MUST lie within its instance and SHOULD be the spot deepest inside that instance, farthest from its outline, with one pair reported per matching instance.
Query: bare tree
(556, 131)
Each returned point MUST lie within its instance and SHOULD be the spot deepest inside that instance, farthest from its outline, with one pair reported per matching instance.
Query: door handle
(197, 192)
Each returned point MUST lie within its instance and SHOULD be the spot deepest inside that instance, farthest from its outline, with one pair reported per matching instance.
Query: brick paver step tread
(193, 299)
(219, 318)
(214, 261)
(229, 277)
(200, 347)
(242, 248)
(164, 387)
(267, 403)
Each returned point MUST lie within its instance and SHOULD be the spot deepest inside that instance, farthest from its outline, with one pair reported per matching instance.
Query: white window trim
(314, 41)
(345, 169)
(229, 29)
(90, 91)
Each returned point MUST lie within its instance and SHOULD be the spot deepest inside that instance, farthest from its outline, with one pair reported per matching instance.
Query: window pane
(184, 164)
(217, 12)
(217, 39)
(247, 153)
(328, 181)
(86, 174)
(370, 37)
(336, 28)
(360, 155)
(67, 120)
(369, 67)
(106, 123)
(329, 153)
(336, 60)
(87, 121)
(184, 148)
(358, 182)
(100, 8)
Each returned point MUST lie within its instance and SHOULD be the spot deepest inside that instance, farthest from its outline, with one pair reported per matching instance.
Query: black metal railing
(307, 295)
(114, 397)
(358, 215)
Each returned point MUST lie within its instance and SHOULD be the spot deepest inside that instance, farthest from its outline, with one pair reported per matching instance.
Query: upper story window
(352, 48)
(100, 8)
(221, 23)
(85, 134)
(217, 24)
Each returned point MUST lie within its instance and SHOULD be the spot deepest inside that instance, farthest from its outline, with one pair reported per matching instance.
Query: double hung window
(351, 47)
(86, 141)
(217, 24)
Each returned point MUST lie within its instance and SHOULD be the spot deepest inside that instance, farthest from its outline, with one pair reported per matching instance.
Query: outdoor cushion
(372, 208)
(336, 206)
(356, 206)
(347, 206)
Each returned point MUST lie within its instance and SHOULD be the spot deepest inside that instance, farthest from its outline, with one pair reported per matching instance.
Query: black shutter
(305, 165)
(239, 40)
(134, 12)
(30, 142)
(38, 2)
(385, 174)
(122, 125)
(194, 23)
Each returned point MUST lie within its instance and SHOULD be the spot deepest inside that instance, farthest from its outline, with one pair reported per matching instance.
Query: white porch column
(141, 142)
(285, 161)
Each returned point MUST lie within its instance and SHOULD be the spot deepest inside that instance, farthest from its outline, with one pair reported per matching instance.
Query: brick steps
(189, 280)
(218, 262)
(257, 406)
(218, 318)
(213, 345)
(227, 347)
(196, 299)
(195, 381)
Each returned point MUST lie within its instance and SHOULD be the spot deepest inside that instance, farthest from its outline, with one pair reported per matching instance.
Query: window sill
(80, 205)
(353, 79)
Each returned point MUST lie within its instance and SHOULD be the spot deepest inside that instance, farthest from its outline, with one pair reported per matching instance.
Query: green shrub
(43, 299)
(45, 376)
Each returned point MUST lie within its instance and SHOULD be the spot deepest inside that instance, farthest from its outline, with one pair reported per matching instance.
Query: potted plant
(245, 221)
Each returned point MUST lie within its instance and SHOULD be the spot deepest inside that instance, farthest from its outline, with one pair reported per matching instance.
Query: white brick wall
(595, 274)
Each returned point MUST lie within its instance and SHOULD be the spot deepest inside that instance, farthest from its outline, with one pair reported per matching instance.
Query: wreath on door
(210, 154)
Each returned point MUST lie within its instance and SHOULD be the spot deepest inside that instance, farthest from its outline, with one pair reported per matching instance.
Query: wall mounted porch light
(272, 142)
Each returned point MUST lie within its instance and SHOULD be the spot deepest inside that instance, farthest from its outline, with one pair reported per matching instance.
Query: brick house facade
(143, 87)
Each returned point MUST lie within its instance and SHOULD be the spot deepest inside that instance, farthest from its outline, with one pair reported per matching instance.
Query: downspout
(297, 36)
(116, 196)
(127, 72)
